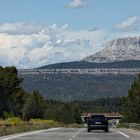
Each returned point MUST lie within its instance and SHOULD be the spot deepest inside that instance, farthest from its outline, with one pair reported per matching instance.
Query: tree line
(14, 100)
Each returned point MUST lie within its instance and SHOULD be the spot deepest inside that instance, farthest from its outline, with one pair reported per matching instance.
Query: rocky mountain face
(121, 49)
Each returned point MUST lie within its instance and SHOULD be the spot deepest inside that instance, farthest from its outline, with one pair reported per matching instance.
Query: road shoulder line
(26, 134)
(121, 133)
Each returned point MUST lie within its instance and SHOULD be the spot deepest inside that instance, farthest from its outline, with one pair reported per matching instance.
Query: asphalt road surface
(76, 134)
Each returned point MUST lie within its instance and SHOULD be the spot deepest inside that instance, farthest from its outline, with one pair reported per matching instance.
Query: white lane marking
(123, 134)
(78, 133)
(29, 133)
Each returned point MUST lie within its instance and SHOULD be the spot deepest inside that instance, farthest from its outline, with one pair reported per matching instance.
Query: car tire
(106, 130)
(88, 130)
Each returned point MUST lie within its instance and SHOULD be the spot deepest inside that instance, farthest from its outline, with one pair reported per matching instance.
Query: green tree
(17, 101)
(66, 115)
(77, 115)
(9, 86)
(131, 106)
(34, 106)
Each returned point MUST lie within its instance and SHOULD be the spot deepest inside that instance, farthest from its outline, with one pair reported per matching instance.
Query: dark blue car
(97, 122)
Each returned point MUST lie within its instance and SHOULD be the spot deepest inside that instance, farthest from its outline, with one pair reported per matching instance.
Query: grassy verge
(18, 129)
(129, 125)
(16, 125)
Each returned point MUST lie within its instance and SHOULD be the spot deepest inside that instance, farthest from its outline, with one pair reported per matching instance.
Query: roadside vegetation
(131, 103)
(21, 111)
(130, 107)
(134, 126)
(16, 125)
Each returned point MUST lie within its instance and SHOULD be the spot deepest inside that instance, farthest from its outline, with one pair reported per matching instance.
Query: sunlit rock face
(120, 49)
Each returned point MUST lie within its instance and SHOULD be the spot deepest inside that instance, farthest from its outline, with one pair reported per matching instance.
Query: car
(97, 122)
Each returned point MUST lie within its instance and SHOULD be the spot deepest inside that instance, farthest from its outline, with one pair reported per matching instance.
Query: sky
(35, 33)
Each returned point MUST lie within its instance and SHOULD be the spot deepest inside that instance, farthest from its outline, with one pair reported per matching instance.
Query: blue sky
(52, 31)
(104, 13)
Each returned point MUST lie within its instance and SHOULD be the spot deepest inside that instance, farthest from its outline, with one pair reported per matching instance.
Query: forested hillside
(78, 87)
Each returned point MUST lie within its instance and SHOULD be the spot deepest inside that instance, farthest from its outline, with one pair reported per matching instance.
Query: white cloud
(26, 45)
(129, 24)
(76, 4)
(30, 45)
(20, 28)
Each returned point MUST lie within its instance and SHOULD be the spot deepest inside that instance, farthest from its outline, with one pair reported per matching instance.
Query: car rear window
(98, 117)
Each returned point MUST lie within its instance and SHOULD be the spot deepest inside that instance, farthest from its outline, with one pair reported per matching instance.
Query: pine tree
(9, 88)
(131, 107)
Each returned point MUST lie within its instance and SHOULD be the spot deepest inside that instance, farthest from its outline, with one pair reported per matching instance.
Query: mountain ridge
(121, 49)
(85, 65)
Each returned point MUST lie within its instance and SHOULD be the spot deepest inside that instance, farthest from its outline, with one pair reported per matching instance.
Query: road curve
(76, 134)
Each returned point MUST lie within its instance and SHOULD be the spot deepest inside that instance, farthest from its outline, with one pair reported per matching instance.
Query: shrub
(43, 122)
(15, 121)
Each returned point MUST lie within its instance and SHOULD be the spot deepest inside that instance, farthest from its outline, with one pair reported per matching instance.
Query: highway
(76, 134)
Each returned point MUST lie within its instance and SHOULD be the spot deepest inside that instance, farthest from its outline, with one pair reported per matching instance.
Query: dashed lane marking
(78, 133)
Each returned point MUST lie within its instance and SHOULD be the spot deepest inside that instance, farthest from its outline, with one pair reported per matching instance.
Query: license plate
(98, 123)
